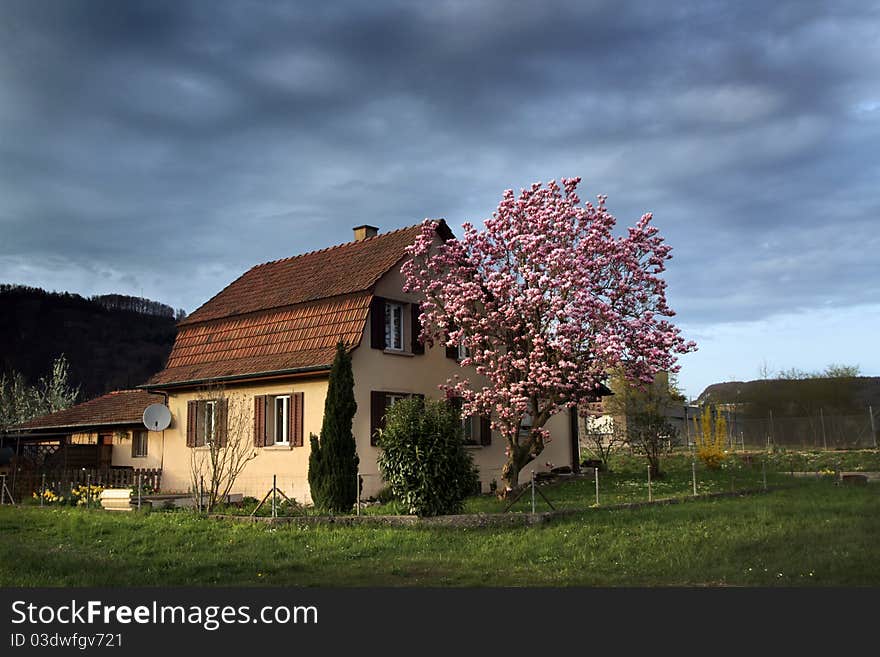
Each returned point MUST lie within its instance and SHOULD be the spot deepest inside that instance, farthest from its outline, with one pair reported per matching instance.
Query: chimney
(363, 232)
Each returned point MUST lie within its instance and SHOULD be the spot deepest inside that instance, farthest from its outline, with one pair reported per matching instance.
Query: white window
(468, 431)
(463, 352)
(394, 326)
(282, 420)
(139, 444)
(210, 423)
(393, 398)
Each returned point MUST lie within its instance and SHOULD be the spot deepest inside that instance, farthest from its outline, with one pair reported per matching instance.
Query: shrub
(333, 461)
(711, 440)
(423, 458)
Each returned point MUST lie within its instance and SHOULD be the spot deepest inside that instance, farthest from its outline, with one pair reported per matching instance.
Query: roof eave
(312, 369)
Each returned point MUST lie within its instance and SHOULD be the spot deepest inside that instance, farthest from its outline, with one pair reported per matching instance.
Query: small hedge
(423, 459)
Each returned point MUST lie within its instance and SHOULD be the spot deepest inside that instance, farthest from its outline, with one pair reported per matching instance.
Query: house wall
(121, 455)
(289, 464)
(423, 373)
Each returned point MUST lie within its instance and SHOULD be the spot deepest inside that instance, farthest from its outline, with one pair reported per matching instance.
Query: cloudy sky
(162, 149)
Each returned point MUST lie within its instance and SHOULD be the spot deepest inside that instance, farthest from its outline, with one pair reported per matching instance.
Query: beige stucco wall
(289, 464)
(121, 455)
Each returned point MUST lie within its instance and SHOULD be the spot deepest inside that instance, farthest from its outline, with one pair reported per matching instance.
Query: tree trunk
(520, 457)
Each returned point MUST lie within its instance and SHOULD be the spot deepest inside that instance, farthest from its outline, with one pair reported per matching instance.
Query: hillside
(798, 396)
(111, 341)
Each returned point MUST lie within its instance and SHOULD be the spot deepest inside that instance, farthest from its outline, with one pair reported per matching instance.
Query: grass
(816, 533)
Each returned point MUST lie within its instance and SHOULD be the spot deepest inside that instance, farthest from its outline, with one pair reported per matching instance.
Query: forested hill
(803, 396)
(111, 341)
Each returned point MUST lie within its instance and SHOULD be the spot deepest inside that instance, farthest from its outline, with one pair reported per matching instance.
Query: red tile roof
(338, 270)
(285, 315)
(116, 408)
(298, 337)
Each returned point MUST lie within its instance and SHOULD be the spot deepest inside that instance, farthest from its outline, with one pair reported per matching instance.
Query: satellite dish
(157, 417)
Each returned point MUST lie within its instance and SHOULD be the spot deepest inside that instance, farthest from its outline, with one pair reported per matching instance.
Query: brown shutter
(485, 430)
(377, 323)
(378, 405)
(192, 412)
(417, 346)
(260, 421)
(296, 418)
(221, 408)
(133, 442)
(451, 349)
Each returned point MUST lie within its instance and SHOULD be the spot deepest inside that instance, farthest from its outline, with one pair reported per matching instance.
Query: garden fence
(24, 483)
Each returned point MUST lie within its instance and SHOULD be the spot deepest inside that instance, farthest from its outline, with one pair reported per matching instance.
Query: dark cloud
(163, 148)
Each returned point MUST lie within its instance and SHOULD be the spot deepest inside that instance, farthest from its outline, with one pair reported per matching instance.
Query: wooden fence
(25, 483)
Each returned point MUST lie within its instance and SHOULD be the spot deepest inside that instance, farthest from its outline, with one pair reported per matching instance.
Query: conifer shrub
(333, 461)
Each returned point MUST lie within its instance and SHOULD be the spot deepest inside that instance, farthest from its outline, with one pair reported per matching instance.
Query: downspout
(575, 439)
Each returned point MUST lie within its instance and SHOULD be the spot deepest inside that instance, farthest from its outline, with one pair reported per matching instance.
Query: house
(102, 433)
(102, 441)
(252, 364)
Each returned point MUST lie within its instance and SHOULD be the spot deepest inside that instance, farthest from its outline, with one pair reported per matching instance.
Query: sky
(161, 149)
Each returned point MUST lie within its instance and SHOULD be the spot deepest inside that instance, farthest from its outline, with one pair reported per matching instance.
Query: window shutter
(133, 444)
(222, 409)
(417, 346)
(451, 349)
(485, 430)
(296, 418)
(377, 323)
(192, 413)
(260, 421)
(378, 405)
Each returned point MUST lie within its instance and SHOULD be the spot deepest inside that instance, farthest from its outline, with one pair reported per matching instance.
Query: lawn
(815, 533)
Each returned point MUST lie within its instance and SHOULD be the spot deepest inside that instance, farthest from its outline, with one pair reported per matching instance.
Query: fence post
(533, 492)
(2, 490)
(873, 430)
(201, 492)
(42, 488)
(764, 472)
(274, 496)
(694, 475)
(650, 493)
(357, 485)
(139, 491)
(88, 489)
(596, 474)
(822, 421)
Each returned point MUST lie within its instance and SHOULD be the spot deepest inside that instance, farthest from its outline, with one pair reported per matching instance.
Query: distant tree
(20, 402)
(641, 413)
(333, 462)
(56, 392)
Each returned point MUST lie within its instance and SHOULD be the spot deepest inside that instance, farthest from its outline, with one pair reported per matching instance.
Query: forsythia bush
(710, 440)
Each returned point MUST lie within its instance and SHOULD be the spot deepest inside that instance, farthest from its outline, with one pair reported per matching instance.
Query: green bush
(423, 459)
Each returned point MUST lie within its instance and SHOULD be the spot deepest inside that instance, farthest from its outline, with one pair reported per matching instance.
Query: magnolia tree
(545, 300)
